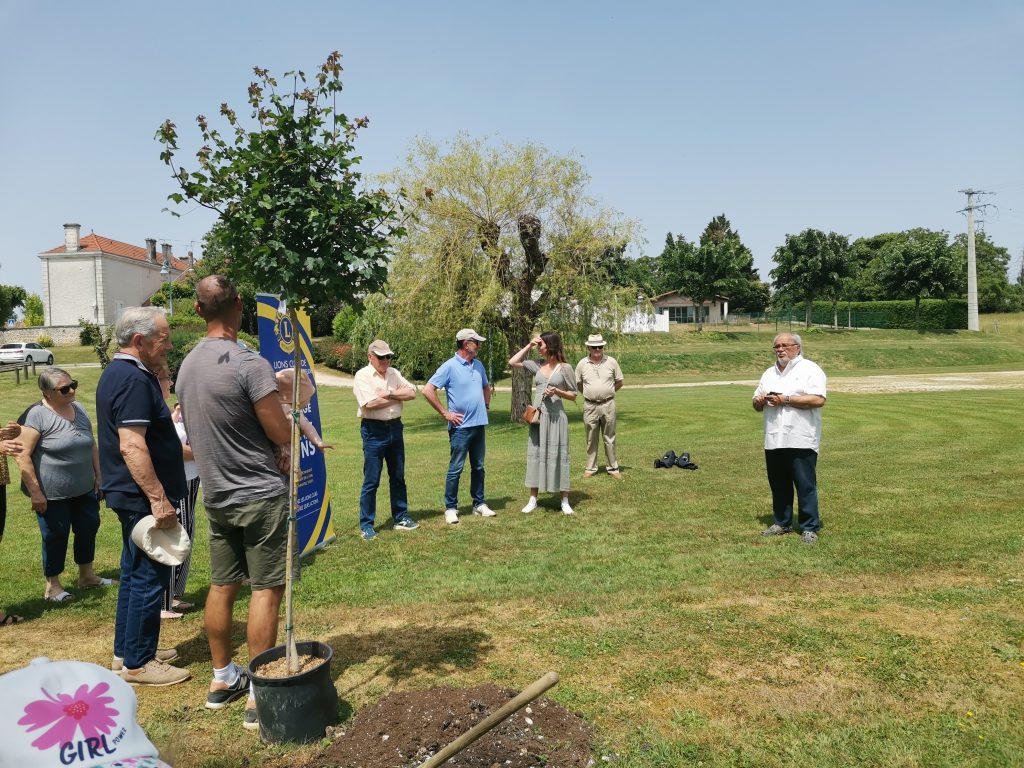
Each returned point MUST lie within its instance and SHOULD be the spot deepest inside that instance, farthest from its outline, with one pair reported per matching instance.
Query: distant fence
(935, 315)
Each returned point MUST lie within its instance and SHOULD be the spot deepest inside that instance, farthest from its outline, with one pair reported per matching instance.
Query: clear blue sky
(860, 117)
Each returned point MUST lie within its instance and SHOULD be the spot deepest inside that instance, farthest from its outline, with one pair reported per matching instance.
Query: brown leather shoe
(590, 473)
(156, 674)
(615, 473)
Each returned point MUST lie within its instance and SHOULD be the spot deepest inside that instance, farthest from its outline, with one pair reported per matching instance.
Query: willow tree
(506, 239)
(293, 213)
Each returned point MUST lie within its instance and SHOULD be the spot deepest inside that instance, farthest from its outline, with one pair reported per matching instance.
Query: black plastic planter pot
(295, 709)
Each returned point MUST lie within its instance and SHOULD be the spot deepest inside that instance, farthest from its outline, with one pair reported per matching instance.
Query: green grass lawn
(685, 637)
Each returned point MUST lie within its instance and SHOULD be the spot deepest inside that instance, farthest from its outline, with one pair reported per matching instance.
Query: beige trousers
(599, 420)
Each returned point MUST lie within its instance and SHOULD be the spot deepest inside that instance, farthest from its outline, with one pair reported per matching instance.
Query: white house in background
(682, 309)
(94, 278)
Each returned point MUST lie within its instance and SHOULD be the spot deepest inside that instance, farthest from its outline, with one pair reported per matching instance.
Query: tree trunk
(522, 393)
(917, 313)
(835, 313)
(808, 312)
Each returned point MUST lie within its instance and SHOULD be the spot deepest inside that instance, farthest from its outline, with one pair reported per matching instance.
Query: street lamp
(165, 271)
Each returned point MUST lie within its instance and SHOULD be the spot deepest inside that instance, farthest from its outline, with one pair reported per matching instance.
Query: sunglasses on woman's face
(67, 389)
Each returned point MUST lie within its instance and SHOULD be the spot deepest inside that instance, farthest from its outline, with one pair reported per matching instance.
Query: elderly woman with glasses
(59, 466)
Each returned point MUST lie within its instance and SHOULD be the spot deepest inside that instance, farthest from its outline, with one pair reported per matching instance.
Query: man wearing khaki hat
(599, 377)
(380, 391)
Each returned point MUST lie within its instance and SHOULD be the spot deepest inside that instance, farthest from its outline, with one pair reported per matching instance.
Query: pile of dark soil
(405, 729)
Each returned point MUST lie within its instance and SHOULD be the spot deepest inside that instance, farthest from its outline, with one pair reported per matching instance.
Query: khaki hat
(286, 385)
(469, 333)
(595, 340)
(169, 546)
(380, 348)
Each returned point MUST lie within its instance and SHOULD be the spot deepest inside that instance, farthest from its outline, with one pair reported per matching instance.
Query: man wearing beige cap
(599, 377)
(380, 391)
(468, 393)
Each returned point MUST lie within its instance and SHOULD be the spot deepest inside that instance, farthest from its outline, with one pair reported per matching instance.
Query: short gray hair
(794, 336)
(136, 320)
(49, 377)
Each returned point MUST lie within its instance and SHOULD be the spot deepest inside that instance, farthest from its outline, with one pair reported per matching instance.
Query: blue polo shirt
(463, 383)
(128, 395)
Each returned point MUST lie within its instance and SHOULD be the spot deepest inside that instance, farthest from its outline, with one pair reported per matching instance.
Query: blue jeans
(382, 442)
(789, 468)
(139, 598)
(81, 515)
(465, 441)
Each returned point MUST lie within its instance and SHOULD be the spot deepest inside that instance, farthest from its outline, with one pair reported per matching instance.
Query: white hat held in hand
(169, 546)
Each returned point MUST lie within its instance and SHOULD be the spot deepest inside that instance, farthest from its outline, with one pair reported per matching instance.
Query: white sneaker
(566, 509)
(530, 505)
(451, 516)
(484, 511)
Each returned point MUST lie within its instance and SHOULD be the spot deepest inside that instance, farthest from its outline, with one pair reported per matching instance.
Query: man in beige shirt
(380, 391)
(599, 377)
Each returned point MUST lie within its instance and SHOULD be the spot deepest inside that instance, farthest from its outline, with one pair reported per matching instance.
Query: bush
(343, 323)
(341, 357)
(90, 333)
(45, 341)
(185, 340)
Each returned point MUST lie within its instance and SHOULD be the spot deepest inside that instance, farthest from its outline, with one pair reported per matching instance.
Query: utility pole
(972, 270)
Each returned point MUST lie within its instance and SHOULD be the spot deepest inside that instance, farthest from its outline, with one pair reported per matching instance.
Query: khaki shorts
(249, 541)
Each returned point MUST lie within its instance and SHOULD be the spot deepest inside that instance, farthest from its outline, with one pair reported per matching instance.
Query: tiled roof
(92, 243)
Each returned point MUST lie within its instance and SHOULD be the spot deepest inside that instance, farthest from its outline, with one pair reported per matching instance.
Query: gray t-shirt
(218, 383)
(63, 455)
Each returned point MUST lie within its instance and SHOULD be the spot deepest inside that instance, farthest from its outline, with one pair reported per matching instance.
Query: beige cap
(595, 340)
(469, 333)
(286, 385)
(380, 348)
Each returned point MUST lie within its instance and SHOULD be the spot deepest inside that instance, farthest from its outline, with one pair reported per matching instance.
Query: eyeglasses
(382, 357)
(783, 346)
(67, 389)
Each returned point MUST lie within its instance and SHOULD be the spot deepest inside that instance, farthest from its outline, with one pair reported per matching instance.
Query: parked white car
(22, 352)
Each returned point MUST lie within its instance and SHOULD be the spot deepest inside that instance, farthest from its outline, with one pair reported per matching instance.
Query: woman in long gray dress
(547, 450)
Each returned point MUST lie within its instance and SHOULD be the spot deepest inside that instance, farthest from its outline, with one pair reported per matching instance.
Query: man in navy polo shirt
(468, 393)
(143, 474)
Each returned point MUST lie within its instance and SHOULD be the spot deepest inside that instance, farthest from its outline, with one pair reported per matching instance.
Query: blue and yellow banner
(277, 344)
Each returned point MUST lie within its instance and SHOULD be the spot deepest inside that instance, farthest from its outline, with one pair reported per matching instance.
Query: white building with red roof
(94, 278)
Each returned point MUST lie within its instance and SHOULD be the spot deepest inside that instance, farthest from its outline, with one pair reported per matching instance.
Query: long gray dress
(547, 449)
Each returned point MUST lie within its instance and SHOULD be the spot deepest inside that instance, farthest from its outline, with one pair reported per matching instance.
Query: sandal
(10, 619)
(101, 583)
(63, 597)
(182, 605)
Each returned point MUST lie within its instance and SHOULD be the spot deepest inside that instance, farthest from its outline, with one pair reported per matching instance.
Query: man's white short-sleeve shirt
(785, 426)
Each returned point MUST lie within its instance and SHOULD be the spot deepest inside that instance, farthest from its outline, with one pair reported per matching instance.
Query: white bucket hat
(60, 713)
(169, 546)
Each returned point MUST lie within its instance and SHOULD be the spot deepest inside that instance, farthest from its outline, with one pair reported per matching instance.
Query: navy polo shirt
(128, 395)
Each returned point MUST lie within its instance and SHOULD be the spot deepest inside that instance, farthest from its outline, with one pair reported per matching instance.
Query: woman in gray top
(60, 470)
(547, 449)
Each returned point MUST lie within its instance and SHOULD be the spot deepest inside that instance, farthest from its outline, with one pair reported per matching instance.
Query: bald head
(216, 296)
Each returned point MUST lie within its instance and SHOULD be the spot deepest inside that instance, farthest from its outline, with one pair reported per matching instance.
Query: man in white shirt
(380, 391)
(791, 395)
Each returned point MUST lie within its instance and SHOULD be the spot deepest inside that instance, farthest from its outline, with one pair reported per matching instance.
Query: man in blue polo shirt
(468, 393)
(143, 474)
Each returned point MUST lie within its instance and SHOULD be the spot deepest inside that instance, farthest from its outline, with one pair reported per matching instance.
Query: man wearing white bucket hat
(599, 377)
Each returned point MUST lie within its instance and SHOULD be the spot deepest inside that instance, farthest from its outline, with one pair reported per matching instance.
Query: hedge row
(936, 314)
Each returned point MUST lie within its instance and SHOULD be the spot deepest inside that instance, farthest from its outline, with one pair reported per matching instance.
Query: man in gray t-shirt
(236, 426)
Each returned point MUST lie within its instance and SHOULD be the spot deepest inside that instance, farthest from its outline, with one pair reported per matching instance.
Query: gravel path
(908, 382)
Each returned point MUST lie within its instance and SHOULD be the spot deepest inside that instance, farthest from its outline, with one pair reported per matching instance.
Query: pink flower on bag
(86, 709)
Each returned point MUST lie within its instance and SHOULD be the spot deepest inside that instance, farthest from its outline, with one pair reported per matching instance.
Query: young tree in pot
(292, 211)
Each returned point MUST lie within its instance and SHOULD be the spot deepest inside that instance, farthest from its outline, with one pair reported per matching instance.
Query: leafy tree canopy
(702, 271)
(11, 297)
(503, 238)
(34, 314)
(920, 264)
(812, 264)
(287, 190)
(995, 293)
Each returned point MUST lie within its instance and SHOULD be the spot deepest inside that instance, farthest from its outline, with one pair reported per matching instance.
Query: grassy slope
(899, 640)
